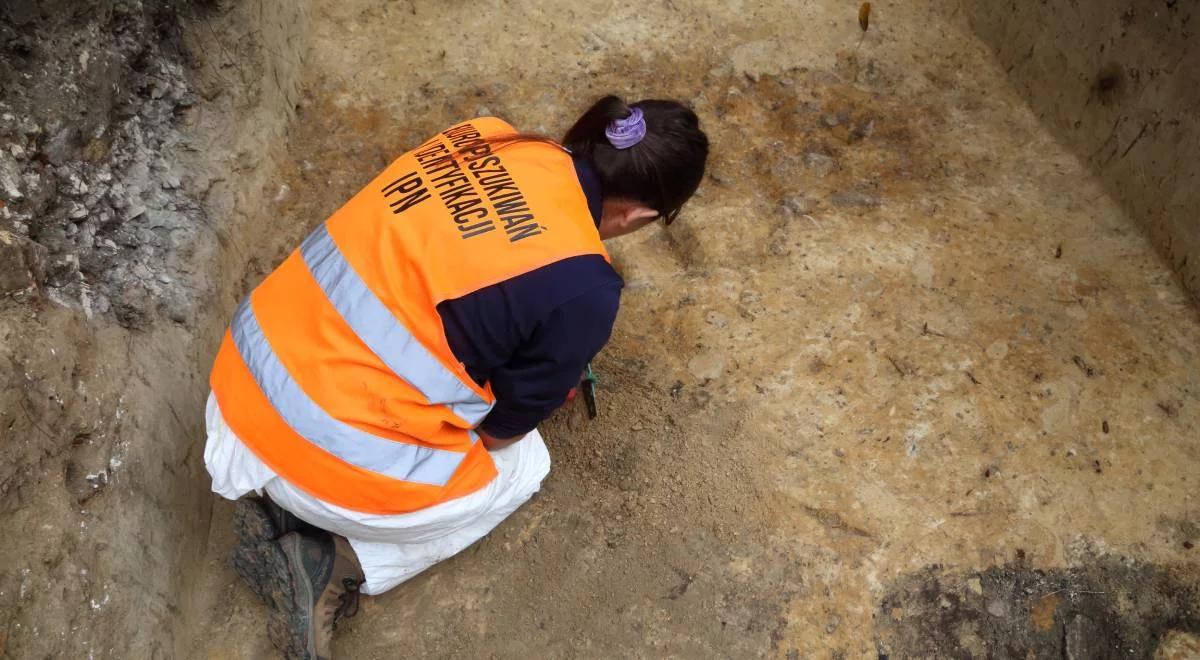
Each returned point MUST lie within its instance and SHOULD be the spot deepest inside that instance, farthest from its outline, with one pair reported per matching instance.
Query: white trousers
(391, 548)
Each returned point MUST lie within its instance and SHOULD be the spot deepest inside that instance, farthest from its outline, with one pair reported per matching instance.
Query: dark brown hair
(662, 171)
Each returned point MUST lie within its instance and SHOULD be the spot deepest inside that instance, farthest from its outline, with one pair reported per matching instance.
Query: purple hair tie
(624, 133)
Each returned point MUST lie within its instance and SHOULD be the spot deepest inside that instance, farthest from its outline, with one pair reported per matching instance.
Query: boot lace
(347, 600)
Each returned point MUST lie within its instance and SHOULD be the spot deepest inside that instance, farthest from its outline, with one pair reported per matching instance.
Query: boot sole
(290, 626)
(255, 564)
(255, 532)
(252, 523)
(267, 569)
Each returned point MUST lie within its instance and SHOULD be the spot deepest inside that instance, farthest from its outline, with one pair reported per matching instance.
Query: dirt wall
(127, 131)
(1118, 82)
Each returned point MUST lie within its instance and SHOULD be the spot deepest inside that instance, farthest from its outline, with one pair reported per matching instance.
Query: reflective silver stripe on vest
(383, 333)
(399, 460)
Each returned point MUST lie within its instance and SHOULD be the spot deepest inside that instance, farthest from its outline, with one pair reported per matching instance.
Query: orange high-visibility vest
(336, 371)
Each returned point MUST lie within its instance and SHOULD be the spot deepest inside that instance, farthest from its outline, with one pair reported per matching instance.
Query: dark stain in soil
(1108, 607)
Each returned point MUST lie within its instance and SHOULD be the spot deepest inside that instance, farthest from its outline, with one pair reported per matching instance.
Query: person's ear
(634, 214)
(623, 216)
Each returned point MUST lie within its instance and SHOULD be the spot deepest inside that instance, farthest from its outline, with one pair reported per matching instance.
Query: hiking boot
(257, 522)
(322, 588)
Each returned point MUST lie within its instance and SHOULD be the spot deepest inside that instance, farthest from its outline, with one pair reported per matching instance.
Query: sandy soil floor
(902, 381)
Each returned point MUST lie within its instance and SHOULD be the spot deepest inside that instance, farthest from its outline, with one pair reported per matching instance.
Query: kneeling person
(382, 386)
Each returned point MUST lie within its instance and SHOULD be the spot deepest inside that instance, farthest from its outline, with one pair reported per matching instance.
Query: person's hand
(574, 391)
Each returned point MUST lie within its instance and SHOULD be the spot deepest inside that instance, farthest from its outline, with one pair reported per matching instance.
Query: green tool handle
(589, 390)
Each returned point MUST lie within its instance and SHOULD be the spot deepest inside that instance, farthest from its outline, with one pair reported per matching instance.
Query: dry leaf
(864, 16)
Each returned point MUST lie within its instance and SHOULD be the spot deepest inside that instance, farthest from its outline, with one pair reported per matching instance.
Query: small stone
(61, 148)
(77, 211)
(997, 350)
(862, 130)
(125, 238)
(820, 164)
(95, 151)
(100, 304)
(855, 198)
(147, 238)
(834, 622)
(134, 211)
(708, 365)
(29, 127)
(87, 235)
(922, 270)
(975, 586)
(997, 608)
(116, 196)
(22, 263)
(63, 270)
(75, 187)
(797, 205)
(10, 179)
(40, 187)
(715, 318)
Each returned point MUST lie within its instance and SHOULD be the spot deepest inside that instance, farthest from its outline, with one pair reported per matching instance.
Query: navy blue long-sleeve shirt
(532, 335)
